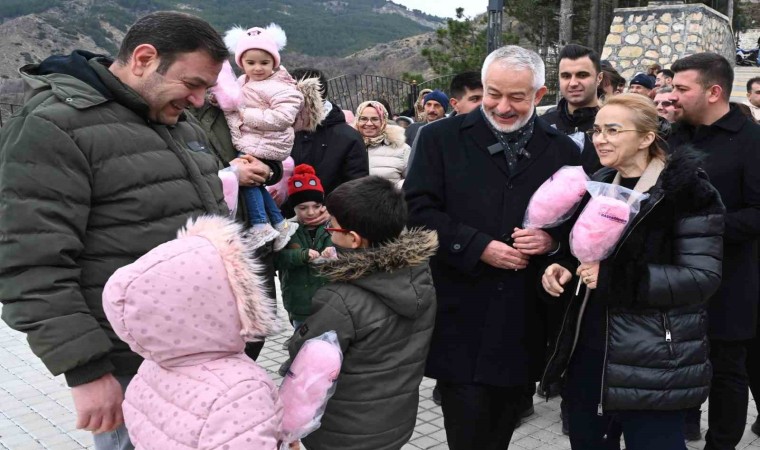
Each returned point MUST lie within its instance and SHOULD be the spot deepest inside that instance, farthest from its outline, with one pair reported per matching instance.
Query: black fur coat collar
(682, 190)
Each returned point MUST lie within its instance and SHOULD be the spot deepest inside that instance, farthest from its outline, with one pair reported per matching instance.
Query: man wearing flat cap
(436, 105)
(641, 84)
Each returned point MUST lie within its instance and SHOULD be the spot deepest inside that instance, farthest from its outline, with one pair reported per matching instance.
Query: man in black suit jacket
(471, 181)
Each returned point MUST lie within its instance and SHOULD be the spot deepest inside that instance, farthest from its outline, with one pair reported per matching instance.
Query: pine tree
(460, 46)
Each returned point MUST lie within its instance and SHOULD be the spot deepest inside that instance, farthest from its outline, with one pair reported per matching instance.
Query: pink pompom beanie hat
(271, 39)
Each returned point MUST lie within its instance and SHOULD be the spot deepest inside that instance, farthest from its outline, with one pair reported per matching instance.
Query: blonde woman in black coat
(634, 352)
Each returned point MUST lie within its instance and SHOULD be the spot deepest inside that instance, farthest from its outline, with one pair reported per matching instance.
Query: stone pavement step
(36, 411)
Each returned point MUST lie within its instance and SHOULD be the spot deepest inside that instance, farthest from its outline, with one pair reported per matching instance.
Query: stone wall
(662, 34)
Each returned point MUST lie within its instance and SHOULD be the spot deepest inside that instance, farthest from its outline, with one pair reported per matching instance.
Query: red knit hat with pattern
(304, 186)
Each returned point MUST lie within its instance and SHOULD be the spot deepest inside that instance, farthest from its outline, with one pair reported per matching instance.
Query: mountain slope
(34, 29)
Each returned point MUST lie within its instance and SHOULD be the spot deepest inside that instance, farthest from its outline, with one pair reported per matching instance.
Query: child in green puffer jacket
(309, 246)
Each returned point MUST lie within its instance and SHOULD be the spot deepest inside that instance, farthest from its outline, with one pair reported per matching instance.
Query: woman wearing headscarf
(386, 144)
(419, 106)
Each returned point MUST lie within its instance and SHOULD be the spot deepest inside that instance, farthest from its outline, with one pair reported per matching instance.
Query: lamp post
(495, 14)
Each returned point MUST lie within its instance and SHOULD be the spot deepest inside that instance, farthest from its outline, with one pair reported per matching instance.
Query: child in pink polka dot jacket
(188, 307)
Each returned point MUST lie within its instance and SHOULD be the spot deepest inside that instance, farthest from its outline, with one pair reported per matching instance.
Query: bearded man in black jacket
(489, 338)
(702, 88)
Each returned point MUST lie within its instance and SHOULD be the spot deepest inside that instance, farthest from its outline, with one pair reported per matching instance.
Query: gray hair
(518, 58)
(665, 90)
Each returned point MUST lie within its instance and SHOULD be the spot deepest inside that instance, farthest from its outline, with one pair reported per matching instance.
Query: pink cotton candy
(227, 93)
(230, 186)
(599, 228)
(307, 387)
(555, 201)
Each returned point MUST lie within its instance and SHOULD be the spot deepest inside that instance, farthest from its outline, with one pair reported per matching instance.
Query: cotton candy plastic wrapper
(230, 187)
(603, 221)
(308, 385)
(557, 198)
(227, 93)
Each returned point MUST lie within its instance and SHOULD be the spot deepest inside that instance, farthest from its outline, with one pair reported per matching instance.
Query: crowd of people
(144, 274)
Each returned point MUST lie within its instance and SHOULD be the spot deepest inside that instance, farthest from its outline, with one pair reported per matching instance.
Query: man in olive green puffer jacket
(97, 168)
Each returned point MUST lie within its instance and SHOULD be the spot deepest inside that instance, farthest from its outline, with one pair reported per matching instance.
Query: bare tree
(593, 25)
(606, 13)
(565, 21)
(543, 48)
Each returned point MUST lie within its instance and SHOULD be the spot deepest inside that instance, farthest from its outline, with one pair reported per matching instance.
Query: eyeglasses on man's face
(606, 132)
(364, 120)
(664, 103)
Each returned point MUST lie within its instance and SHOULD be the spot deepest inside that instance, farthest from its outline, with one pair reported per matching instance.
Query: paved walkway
(36, 411)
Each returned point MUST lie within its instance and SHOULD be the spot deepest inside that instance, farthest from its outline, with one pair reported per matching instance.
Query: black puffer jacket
(335, 150)
(655, 288)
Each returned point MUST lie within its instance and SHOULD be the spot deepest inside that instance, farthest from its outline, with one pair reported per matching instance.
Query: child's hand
(295, 445)
(329, 253)
(313, 254)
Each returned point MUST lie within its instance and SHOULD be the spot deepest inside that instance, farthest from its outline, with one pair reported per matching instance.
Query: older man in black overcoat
(471, 181)
(701, 92)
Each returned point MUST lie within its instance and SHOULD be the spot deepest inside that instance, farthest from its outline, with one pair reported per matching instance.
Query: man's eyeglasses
(374, 120)
(607, 133)
(664, 103)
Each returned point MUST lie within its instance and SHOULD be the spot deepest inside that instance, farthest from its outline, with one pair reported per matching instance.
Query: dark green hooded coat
(88, 184)
(299, 279)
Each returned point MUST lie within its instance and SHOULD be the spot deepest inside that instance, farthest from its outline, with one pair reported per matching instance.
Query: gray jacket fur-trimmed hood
(411, 249)
(382, 305)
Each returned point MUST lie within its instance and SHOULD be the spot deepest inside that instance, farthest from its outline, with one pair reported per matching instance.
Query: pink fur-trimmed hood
(192, 299)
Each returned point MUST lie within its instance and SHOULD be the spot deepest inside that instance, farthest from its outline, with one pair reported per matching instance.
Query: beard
(521, 120)
(691, 115)
(153, 91)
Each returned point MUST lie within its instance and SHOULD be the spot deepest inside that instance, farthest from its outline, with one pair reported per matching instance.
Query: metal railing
(349, 91)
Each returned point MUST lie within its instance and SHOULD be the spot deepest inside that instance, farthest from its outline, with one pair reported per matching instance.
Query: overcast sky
(446, 8)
